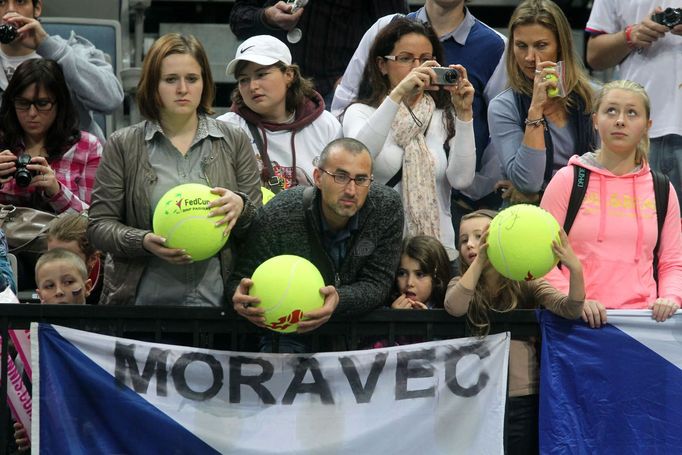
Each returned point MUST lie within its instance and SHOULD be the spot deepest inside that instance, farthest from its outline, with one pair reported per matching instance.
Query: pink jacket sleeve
(555, 201)
(670, 253)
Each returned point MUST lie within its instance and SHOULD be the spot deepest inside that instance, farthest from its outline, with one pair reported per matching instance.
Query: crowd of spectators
(374, 159)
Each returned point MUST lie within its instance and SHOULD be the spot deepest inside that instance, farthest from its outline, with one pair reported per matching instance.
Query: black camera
(7, 33)
(445, 76)
(23, 175)
(670, 17)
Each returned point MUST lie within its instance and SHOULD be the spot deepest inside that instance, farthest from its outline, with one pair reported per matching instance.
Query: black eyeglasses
(41, 104)
(344, 179)
(408, 59)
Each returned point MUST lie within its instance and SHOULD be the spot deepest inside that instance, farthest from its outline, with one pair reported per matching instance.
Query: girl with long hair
(481, 290)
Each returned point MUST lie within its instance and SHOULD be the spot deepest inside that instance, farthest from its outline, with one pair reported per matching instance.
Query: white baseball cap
(261, 49)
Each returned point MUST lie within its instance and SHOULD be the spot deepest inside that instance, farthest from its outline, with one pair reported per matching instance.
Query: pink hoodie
(614, 235)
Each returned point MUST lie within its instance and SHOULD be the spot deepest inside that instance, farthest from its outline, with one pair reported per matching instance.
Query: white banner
(101, 394)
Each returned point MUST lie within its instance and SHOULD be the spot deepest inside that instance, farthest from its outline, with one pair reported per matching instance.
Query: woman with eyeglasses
(177, 143)
(420, 132)
(46, 162)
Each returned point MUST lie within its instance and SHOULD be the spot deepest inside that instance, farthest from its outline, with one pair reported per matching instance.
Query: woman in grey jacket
(176, 144)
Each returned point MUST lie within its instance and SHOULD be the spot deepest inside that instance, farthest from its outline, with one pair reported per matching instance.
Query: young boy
(70, 232)
(61, 277)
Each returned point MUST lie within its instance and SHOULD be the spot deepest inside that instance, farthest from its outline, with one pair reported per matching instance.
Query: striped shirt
(75, 172)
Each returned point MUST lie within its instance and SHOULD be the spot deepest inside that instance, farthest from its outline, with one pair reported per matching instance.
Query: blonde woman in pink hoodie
(616, 229)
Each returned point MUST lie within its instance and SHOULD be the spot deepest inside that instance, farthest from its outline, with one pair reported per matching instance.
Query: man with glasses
(91, 79)
(350, 229)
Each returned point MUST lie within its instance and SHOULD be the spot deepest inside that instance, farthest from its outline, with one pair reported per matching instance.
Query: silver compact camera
(445, 76)
(298, 4)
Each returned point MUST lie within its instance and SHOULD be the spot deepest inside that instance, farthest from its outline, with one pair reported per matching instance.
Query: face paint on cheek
(76, 292)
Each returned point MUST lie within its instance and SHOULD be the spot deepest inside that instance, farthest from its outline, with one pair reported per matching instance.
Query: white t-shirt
(9, 65)
(308, 141)
(658, 69)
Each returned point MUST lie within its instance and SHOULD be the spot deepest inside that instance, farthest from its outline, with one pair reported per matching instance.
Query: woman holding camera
(46, 163)
(408, 119)
(533, 128)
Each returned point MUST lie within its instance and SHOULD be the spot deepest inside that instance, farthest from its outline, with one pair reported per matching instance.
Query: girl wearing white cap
(280, 111)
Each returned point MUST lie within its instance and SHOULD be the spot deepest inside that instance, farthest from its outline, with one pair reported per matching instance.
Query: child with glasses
(408, 123)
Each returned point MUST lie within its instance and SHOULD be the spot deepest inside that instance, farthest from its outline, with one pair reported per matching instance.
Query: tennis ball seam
(284, 295)
(501, 251)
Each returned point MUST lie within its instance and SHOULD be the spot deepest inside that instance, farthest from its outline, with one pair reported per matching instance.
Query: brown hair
(300, 88)
(433, 261)
(548, 14)
(374, 85)
(148, 99)
(500, 299)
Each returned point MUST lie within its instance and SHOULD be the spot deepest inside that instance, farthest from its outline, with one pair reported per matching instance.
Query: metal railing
(225, 330)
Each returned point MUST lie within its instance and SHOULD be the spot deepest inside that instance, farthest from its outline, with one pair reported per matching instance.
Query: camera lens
(23, 176)
(451, 76)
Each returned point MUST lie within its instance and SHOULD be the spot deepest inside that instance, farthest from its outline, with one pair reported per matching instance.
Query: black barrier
(223, 329)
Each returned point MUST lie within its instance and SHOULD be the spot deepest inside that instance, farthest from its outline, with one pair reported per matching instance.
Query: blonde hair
(72, 227)
(642, 151)
(500, 299)
(547, 14)
(60, 254)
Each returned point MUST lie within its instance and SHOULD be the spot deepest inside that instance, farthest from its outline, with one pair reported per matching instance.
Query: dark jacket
(290, 224)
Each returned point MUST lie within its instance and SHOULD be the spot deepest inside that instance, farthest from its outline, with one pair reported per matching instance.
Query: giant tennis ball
(181, 217)
(287, 287)
(267, 194)
(520, 242)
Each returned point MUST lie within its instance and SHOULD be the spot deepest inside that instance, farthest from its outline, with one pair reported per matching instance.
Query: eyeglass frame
(394, 58)
(29, 103)
(348, 178)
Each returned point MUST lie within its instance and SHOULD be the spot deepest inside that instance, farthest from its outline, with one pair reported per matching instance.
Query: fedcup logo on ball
(181, 217)
(520, 242)
(287, 286)
(183, 205)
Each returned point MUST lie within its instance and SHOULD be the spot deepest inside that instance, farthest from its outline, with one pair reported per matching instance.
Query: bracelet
(628, 36)
(536, 123)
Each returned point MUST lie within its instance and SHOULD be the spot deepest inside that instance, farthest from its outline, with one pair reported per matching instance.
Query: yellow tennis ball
(287, 287)
(520, 242)
(267, 194)
(181, 217)
(553, 91)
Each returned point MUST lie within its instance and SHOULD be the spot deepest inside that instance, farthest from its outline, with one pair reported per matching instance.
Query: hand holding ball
(287, 286)
(520, 242)
(181, 217)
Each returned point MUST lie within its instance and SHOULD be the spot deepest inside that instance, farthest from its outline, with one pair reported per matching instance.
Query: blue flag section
(83, 410)
(614, 390)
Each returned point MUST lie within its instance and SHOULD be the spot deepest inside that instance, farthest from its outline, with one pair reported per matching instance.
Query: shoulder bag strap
(661, 195)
